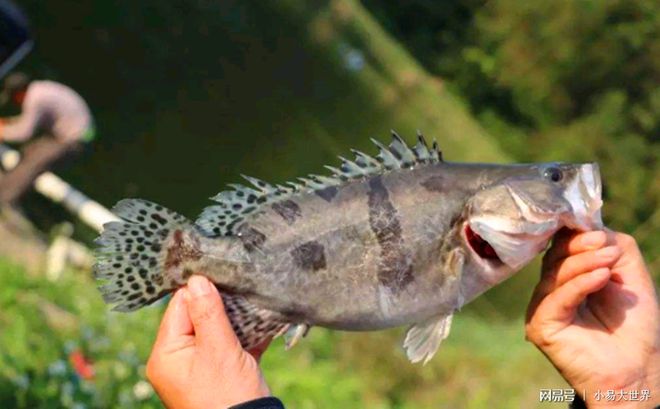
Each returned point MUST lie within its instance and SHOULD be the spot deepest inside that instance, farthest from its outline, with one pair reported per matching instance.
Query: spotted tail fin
(143, 257)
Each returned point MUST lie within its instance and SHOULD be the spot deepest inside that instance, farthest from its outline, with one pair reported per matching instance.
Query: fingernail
(608, 252)
(198, 286)
(179, 298)
(601, 272)
(592, 239)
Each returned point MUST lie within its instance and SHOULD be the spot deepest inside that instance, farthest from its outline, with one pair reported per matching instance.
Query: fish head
(511, 220)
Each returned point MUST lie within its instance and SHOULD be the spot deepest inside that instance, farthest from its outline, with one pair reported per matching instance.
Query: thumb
(207, 313)
(175, 328)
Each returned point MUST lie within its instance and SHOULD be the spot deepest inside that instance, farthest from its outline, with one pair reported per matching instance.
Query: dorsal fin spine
(336, 172)
(396, 136)
(351, 169)
(421, 149)
(435, 152)
(296, 186)
(283, 190)
(264, 187)
(388, 160)
(327, 181)
(365, 161)
(401, 151)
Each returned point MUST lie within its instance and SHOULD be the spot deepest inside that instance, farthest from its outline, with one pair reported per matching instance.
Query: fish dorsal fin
(423, 339)
(233, 206)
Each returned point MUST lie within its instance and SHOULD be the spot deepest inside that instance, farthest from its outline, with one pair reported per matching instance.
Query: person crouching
(55, 122)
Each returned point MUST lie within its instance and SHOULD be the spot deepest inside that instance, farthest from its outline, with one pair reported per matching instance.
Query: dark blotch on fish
(252, 239)
(180, 251)
(395, 265)
(288, 209)
(434, 184)
(441, 184)
(327, 193)
(309, 256)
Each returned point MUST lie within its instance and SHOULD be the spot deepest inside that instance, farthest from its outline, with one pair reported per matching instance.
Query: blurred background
(189, 94)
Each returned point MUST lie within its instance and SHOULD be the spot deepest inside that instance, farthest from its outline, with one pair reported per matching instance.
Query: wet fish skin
(362, 251)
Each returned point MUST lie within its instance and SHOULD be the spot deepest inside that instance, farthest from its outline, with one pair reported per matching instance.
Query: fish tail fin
(144, 256)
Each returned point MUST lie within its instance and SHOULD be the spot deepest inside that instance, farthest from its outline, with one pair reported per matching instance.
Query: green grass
(484, 363)
(43, 322)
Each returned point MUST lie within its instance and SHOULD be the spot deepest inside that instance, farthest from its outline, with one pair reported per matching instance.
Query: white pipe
(59, 191)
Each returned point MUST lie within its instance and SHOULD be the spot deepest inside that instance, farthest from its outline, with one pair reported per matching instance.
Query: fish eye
(553, 174)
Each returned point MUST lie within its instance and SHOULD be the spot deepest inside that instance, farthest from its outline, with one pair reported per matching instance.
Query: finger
(630, 269)
(257, 351)
(567, 244)
(175, 323)
(559, 246)
(586, 262)
(564, 270)
(207, 313)
(561, 304)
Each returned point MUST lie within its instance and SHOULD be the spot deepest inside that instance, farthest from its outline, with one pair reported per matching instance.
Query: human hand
(197, 361)
(595, 315)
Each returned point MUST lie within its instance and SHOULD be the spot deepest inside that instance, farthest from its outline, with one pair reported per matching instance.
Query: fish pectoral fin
(423, 339)
(253, 325)
(294, 334)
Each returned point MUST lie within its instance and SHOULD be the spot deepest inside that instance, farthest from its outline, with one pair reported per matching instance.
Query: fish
(400, 238)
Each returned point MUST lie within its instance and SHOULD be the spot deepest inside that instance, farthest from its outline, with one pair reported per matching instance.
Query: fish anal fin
(253, 325)
(423, 339)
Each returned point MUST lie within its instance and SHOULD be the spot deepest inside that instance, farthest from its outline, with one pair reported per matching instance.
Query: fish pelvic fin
(144, 256)
(253, 325)
(295, 334)
(423, 339)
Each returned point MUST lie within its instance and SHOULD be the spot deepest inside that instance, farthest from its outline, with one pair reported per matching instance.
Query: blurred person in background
(594, 314)
(54, 119)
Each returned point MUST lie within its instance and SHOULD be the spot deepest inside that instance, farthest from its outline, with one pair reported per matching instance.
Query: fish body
(400, 238)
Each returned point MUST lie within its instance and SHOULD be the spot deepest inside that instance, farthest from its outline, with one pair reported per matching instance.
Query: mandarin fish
(400, 238)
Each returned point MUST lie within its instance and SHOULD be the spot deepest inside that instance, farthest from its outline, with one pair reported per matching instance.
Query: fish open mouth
(479, 245)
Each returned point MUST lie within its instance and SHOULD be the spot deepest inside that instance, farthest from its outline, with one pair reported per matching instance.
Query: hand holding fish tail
(595, 315)
(197, 361)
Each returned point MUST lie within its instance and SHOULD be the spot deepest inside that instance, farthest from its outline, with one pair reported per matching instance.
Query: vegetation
(576, 81)
(189, 94)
